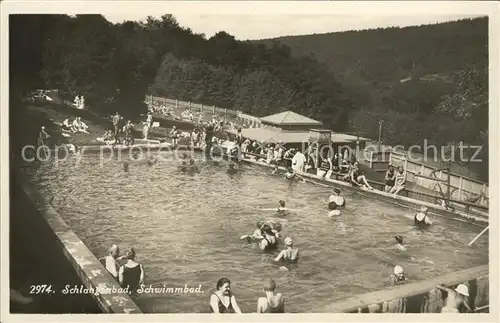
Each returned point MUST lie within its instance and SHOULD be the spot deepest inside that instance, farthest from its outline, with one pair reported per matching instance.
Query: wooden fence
(199, 107)
(462, 188)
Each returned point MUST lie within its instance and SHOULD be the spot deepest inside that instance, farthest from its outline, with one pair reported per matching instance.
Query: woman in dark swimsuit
(269, 242)
(421, 220)
(131, 274)
(223, 301)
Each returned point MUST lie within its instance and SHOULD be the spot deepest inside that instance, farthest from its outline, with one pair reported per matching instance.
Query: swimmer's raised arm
(446, 289)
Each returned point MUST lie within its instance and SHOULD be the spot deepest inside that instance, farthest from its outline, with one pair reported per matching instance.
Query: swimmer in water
(333, 210)
(269, 241)
(456, 297)
(398, 277)
(290, 174)
(336, 198)
(281, 206)
(399, 243)
(125, 167)
(421, 219)
(289, 254)
(232, 168)
(272, 303)
(258, 233)
(275, 170)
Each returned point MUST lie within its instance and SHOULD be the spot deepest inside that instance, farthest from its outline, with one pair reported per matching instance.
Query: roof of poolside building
(275, 135)
(290, 118)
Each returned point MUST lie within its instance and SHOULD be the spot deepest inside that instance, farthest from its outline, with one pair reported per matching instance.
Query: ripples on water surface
(186, 229)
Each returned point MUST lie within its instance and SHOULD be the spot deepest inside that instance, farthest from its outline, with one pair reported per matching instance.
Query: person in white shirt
(298, 162)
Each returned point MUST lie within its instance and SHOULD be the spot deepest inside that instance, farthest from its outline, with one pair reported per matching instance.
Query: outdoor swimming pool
(186, 229)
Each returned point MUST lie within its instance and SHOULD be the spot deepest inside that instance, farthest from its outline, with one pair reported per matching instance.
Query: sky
(260, 26)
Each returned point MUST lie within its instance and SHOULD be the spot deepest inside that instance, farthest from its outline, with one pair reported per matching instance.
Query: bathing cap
(399, 239)
(423, 209)
(260, 223)
(398, 270)
(288, 241)
(113, 248)
(462, 289)
(336, 190)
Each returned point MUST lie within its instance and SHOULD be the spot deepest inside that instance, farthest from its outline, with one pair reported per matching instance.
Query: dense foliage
(425, 82)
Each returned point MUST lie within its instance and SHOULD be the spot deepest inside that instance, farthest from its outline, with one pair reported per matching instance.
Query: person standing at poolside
(116, 124)
(298, 162)
(222, 300)
(131, 274)
(456, 297)
(271, 303)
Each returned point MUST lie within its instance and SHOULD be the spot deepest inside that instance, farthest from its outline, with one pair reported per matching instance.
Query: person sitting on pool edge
(269, 241)
(421, 219)
(399, 243)
(398, 277)
(222, 300)
(289, 254)
(336, 199)
(272, 303)
(358, 179)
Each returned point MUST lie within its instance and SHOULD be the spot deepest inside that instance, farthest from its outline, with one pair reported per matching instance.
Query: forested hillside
(426, 82)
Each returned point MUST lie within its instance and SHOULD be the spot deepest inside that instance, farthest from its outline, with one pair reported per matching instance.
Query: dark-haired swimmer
(399, 243)
(269, 242)
(232, 168)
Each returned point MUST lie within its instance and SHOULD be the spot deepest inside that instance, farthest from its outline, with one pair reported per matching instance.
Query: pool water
(186, 230)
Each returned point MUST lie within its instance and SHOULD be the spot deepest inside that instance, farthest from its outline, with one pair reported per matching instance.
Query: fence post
(460, 189)
(165, 101)
(406, 163)
(225, 112)
(213, 109)
(201, 109)
(422, 169)
(176, 103)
